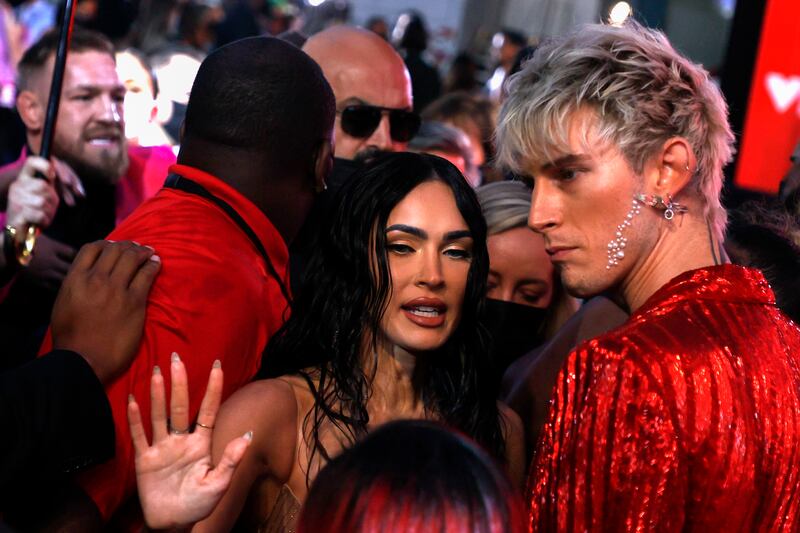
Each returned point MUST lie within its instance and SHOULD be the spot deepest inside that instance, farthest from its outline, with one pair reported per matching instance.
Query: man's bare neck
(687, 246)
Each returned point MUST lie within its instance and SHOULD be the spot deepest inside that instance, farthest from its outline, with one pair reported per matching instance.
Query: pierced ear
(30, 111)
(676, 165)
(323, 164)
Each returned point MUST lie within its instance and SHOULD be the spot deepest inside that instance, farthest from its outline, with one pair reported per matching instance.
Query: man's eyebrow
(411, 230)
(353, 100)
(569, 159)
(97, 88)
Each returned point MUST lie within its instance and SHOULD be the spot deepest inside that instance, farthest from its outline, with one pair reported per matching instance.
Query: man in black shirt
(89, 139)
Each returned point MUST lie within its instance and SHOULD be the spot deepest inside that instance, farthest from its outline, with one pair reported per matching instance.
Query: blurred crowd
(160, 45)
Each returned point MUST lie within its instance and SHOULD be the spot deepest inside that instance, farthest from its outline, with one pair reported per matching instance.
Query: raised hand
(178, 484)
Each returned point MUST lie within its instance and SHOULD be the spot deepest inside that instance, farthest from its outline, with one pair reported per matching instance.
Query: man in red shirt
(685, 418)
(257, 145)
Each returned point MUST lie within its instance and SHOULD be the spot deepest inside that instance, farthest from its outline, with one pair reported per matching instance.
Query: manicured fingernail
(248, 435)
(130, 398)
(156, 370)
(175, 357)
(217, 364)
(154, 258)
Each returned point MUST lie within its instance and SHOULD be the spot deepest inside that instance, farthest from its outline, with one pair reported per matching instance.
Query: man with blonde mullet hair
(686, 417)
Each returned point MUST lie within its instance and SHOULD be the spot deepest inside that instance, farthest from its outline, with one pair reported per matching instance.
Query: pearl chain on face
(616, 248)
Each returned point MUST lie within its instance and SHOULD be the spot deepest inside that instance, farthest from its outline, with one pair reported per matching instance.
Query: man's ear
(31, 111)
(672, 168)
(323, 164)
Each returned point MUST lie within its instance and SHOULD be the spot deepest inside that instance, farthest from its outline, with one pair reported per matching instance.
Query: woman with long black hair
(386, 327)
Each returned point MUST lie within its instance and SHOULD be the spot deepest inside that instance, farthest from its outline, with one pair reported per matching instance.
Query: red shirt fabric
(213, 299)
(686, 418)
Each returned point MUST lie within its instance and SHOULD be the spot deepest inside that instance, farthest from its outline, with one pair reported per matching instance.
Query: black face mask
(515, 329)
(341, 172)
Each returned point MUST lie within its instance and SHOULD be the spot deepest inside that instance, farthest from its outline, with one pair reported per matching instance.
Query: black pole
(59, 66)
(25, 255)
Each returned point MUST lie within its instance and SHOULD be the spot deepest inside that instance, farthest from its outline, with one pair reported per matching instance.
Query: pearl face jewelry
(616, 248)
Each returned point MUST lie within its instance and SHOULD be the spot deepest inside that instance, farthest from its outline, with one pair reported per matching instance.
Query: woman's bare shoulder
(265, 397)
(266, 407)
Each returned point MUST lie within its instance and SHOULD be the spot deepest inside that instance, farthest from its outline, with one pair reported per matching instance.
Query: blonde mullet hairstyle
(642, 93)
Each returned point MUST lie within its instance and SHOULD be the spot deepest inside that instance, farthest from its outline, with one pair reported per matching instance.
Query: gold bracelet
(24, 242)
(25, 251)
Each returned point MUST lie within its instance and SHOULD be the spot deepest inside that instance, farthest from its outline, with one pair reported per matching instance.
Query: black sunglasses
(361, 120)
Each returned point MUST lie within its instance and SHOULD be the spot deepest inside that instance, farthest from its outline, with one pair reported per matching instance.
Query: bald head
(362, 69)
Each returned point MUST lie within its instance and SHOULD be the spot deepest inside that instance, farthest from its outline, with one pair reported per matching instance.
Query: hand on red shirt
(177, 483)
(100, 310)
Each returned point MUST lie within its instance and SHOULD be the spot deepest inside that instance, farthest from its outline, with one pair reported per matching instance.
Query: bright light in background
(498, 40)
(315, 3)
(400, 27)
(619, 13)
(726, 8)
(176, 76)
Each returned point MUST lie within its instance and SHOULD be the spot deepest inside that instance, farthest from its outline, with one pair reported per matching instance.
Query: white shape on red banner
(784, 90)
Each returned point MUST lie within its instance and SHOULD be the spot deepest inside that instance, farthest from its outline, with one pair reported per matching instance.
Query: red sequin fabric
(686, 418)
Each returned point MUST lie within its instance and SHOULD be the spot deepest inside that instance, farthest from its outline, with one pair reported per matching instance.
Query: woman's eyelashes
(400, 248)
(531, 293)
(532, 298)
(459, 252)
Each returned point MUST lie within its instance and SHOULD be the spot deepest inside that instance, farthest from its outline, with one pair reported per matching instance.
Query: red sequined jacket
(685, 418)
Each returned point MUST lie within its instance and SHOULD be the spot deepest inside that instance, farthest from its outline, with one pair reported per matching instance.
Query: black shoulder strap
(174, 181)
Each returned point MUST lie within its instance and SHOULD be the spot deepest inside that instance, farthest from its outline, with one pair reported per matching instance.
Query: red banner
(772, 123)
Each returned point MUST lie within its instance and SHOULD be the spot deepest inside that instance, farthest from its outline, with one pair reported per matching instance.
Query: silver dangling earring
(616, 248)
(666, 204)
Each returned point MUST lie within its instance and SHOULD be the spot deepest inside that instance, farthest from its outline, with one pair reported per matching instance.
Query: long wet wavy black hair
(339, 308)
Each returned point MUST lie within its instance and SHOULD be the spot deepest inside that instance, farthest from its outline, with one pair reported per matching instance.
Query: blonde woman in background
(533, 321)
(526, 303)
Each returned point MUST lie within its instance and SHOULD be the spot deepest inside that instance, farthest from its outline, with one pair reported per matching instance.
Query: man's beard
(109, 168)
